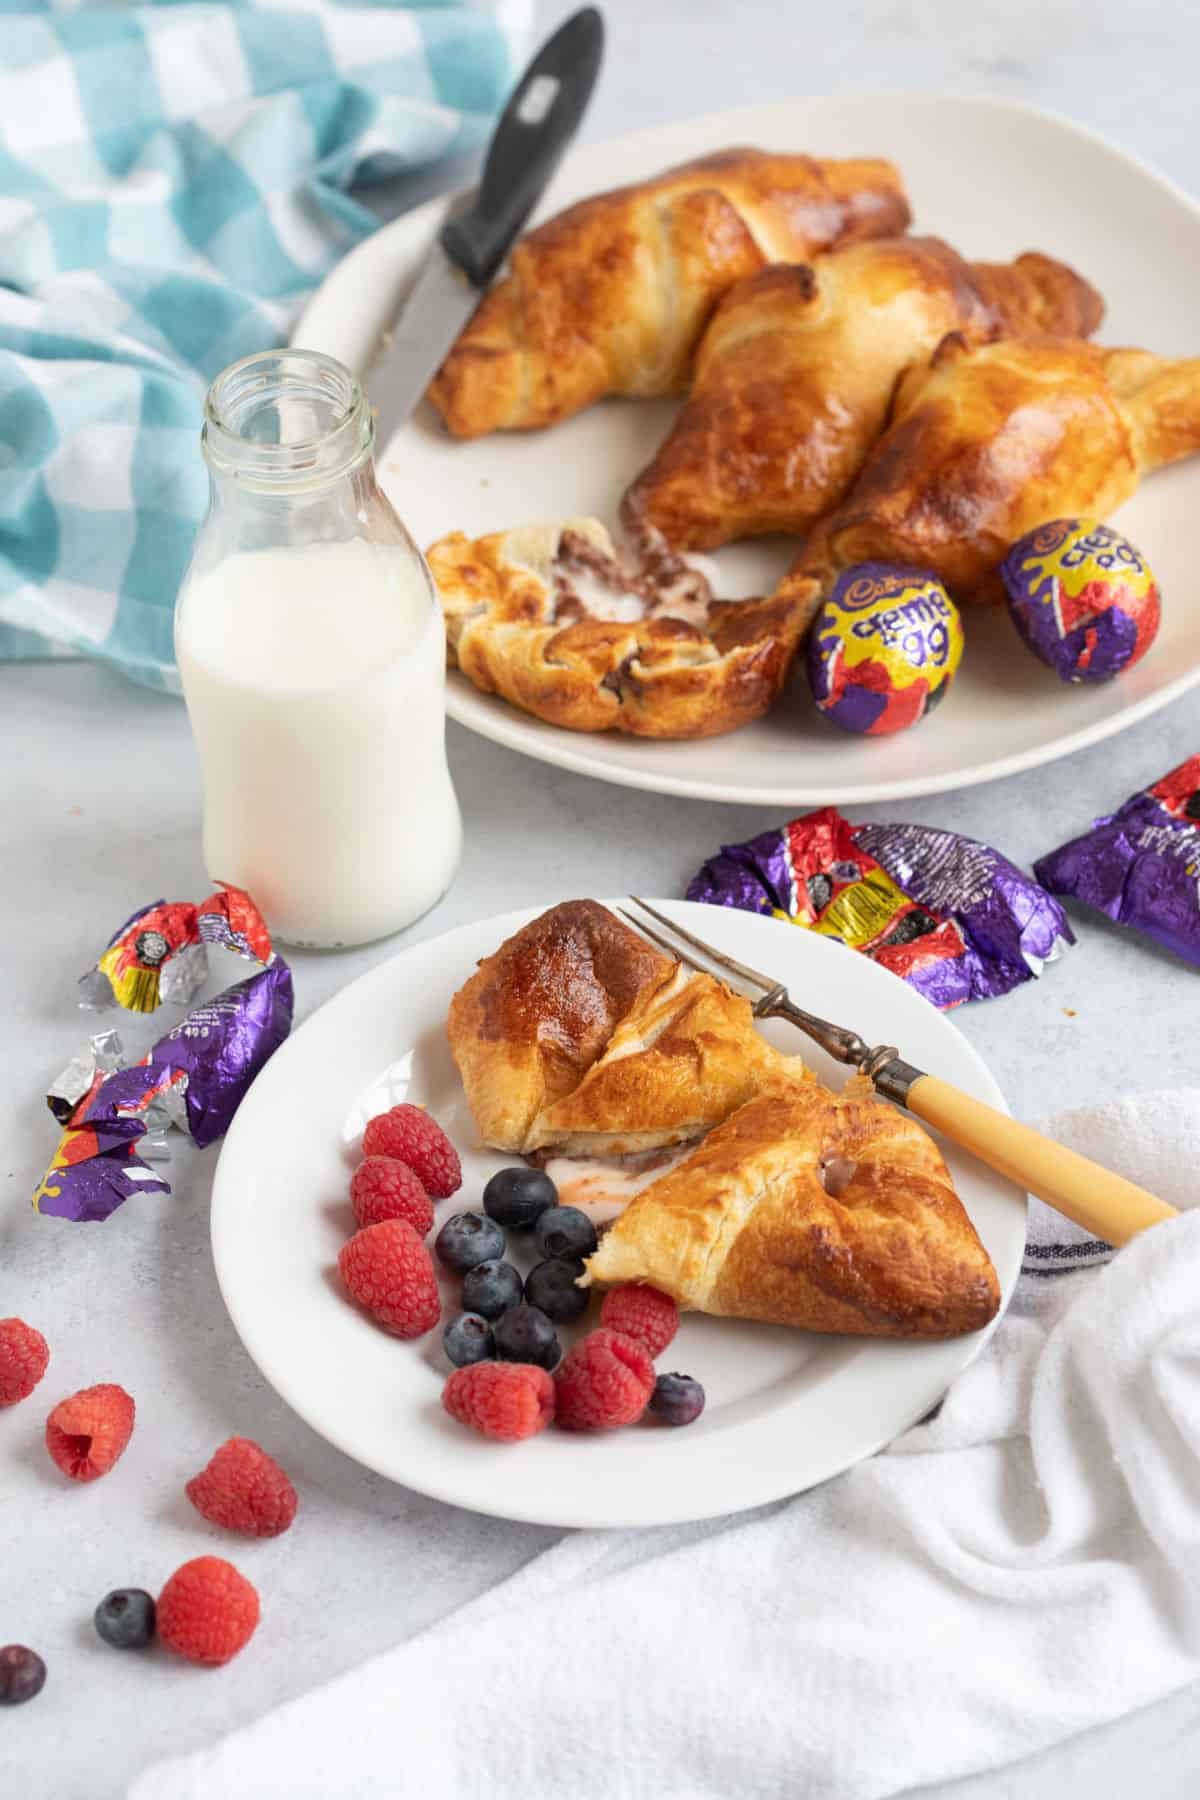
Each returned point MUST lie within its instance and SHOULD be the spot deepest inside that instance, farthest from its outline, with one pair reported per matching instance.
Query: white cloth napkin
(1020, 1568)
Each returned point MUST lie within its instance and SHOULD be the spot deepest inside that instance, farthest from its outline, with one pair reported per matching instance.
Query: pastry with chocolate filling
(832, 1212)
(576, 1036)
(552, 619)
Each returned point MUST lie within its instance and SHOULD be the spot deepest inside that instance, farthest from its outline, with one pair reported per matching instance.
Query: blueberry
(468, 1339)
(517, 1198)
(125, 1618)
(22, 1674)
(551, 1287)
(525, 1335)
(676, 1400)
(468, 1238)
(566, 1234)
(490, 1288)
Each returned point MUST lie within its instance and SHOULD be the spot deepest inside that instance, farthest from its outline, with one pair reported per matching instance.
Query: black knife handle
(535, 128)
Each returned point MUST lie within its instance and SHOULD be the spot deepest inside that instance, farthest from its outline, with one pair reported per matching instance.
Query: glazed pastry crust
(745, 1227)
(653, 676)
(576, 1036)
(794, 377)
(612, 295)
(988, 442)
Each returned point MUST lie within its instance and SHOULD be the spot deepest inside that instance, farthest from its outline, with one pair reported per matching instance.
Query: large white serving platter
(786, 1409)
(995, 179)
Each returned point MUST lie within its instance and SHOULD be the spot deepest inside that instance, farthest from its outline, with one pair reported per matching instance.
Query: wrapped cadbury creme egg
(1082, 598)
(884, 648)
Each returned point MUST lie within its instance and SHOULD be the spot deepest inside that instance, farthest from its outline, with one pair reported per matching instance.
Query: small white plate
(786, 1409)
(994, 178)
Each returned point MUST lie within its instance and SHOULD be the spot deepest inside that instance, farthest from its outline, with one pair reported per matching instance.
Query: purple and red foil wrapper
(194, 1077)
(949, 915)
(1140, 866)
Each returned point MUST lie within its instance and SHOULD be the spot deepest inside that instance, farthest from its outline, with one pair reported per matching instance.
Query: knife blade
(542, 116)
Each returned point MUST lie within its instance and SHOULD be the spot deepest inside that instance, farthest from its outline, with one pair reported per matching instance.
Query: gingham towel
(174, 179)
(1019, 1568)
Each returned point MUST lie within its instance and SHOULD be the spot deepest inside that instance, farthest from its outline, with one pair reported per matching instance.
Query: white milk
(314, 677)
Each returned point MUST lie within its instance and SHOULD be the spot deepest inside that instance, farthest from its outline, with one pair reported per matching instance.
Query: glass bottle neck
(287, 425)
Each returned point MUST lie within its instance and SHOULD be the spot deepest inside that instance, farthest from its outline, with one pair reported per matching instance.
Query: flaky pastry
(832, 1212)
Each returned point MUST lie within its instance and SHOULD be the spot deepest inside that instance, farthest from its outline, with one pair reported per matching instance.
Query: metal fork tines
(883, 1065)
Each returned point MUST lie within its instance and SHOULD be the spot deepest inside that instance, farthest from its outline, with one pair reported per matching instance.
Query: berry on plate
(551, 1286)
(468, 1339)
(245, 1490)
(24, 1354)
(467, 1239)
(22, 1674)
(413, 1137)
(526, 1335)
(676, 1400)
(605, 1380)
(491, 1288)
(208, 1611)
(125, 1618)
(565, 1233)
(382, 1188)
(387, 1269)
(507, 1401)
(516, 1198)
(643, 1313)
(86, 1433)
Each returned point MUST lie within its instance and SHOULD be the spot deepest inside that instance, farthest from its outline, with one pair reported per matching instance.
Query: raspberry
(502, 1400)
(383, 1188)
(409, 1134)
(642, 1312)
(388, 1271)
(245, 1490)
(24, 1354)
(605, 1380)
(208, 1611)
(86, 1433)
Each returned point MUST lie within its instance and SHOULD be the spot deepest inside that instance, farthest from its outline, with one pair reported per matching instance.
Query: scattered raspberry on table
(245, 1490)
(208, 1611)
(410, 1135)
(507, 1401)
(24, 1354)
(389, 1272)
(642, 1312)
(384, 1188)
(605, 1380)
(86, 1433)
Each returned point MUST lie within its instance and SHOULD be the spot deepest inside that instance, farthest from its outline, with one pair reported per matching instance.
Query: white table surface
(100, 807)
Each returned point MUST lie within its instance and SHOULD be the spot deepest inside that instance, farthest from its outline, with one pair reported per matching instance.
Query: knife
(539, 121)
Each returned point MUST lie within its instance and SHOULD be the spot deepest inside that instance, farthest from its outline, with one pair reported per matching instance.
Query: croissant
(610, 297)
(794, 377)
(576, 1036)
(547, 616)
(987, 442)
(832, 1212)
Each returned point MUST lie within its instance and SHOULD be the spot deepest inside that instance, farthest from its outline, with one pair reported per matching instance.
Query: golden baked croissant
(794, 377)
(832, 1212)
(577, 1036)
(986, 443)
(548, 617)
(611, 296)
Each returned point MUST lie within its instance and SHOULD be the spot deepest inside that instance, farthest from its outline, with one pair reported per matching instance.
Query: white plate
(995, 179)
(785, 1409)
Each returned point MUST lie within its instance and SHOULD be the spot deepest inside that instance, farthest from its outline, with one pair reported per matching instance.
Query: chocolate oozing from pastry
(836, 1172)
(646, 581)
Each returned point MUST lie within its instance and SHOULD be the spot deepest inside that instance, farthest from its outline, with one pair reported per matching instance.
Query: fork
(1104, 1204)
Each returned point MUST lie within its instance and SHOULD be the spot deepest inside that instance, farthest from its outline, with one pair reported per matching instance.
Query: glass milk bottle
(310, 646)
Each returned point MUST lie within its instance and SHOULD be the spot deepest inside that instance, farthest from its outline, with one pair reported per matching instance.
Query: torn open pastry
(577, 1036)
(554, 620)
(832, 1212)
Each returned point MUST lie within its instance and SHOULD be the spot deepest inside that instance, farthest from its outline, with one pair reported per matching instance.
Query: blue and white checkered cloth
(174, 180)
